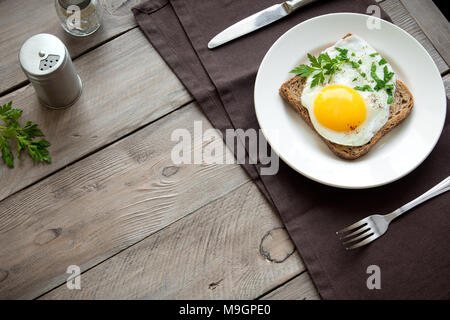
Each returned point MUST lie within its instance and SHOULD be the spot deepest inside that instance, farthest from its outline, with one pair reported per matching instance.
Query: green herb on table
(24, 137)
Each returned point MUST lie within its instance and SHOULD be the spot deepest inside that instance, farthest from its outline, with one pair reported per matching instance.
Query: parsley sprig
(382, 83)
(23, 136)
(322, 67)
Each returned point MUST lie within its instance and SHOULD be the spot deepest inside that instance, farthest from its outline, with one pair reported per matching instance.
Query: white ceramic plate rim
(342, 184)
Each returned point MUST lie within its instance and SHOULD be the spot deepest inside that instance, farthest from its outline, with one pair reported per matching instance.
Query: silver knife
(256, 21)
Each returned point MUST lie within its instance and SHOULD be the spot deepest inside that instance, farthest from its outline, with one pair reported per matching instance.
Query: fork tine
(353, 226)
(355, 233)
(363, 243)
(366, 233)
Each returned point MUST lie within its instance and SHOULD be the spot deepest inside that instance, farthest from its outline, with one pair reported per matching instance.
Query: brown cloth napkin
(413, 256)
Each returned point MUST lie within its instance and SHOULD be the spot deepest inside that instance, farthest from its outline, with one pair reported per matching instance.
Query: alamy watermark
(373, 21)
(374, 280)
(249, 146)
(73, 17)
(74, 280)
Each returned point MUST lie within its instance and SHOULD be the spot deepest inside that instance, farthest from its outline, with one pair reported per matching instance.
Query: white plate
(397, 153)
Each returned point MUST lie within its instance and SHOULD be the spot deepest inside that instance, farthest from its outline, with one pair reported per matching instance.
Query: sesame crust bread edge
(291, 91)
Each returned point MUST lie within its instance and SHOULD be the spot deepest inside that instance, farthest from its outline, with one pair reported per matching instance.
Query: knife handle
(292, 5)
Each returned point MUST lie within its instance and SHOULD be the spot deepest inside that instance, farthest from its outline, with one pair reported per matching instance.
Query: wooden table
(113, 203)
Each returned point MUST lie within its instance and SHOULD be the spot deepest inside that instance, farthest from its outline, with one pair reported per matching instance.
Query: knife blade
(257, 21)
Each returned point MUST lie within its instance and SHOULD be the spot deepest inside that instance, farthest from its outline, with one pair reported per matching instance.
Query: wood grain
(21, 19)
(446, 80)
(276, 245)
(125, 86)
(210, 254)
(433, 23)
(401, 17)
(102, 204)
(299, 288)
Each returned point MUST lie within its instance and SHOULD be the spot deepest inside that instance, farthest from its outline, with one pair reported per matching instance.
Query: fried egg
(348, 108)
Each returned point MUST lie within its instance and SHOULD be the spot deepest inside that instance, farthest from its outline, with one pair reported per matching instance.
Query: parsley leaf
(9, 115)
(390, 92)
(7, 155)
(24, 136)
(303, 70)
(354, 65)
(342, 54)
(374, 54)
(324, 58)
(364, 88)
(313, 60)
(390, 98)
(387, 75)
(373, 73)
(382, 84)
(382, 62)
(322, 66)
(318, 78)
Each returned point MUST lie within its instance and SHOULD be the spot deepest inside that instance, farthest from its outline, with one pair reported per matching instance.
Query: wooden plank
(211, 254)
(299, 288)
(401, 17)
(433, 24)
(447, 85)
(20, 19)
(125, 86)
(102, 204)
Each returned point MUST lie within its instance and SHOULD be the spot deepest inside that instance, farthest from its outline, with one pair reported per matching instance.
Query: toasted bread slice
(292, 90)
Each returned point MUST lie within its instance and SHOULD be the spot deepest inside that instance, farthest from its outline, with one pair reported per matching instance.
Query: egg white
(376, 102)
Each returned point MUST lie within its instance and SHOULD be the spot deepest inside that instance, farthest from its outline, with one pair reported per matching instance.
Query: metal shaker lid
(80, 3)
(42, 54)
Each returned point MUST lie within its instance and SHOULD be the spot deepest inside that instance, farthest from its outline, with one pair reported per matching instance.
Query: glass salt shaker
(79, 17)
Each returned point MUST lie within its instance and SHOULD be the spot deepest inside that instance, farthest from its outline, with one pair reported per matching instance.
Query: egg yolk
(339, 108)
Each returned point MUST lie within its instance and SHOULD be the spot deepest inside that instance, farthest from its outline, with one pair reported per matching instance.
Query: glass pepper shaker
(79, 17)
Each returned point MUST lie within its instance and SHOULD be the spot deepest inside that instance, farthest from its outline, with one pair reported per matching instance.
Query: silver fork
(372, 227)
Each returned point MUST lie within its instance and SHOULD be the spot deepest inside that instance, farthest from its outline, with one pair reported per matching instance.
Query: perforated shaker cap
(42, 54)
